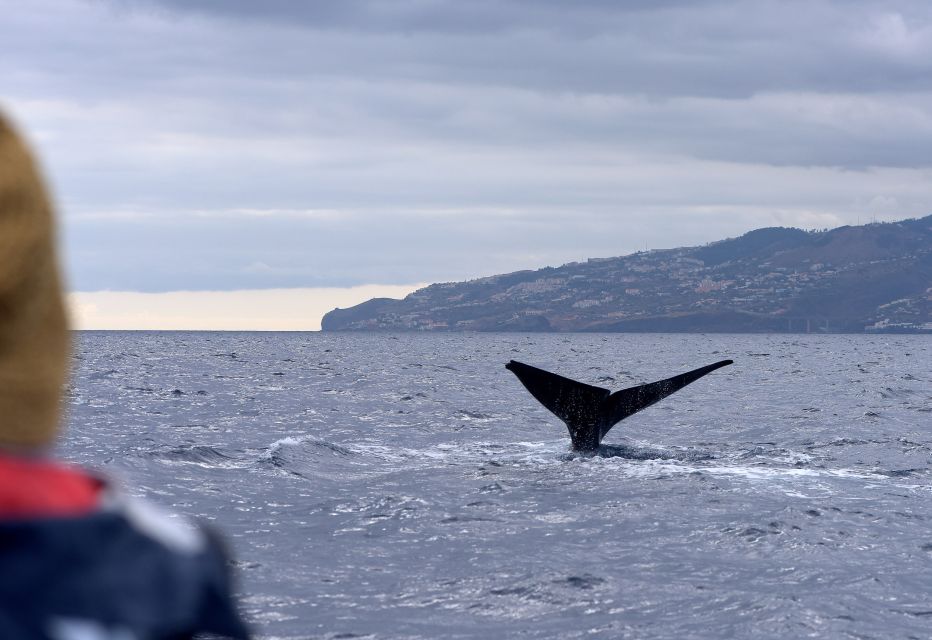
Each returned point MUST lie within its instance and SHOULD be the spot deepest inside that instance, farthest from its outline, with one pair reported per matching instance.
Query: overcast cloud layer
(235, 144)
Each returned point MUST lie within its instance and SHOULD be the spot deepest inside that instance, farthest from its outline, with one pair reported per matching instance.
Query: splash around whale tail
(590, 412)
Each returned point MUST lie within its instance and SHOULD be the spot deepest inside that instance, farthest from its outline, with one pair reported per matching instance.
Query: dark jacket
(122, 572)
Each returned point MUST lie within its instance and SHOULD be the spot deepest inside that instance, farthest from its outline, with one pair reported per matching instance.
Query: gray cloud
(417, 16)
(702, 48)
(205, 144)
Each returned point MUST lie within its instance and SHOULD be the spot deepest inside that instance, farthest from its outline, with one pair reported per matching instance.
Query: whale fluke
(590, 412)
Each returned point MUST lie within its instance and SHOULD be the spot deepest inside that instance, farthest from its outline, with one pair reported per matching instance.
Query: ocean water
(407, 486)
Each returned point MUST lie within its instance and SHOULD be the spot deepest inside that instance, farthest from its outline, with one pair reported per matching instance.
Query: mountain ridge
(875, 277)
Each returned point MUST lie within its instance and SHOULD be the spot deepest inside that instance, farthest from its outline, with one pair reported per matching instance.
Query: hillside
(876, 277)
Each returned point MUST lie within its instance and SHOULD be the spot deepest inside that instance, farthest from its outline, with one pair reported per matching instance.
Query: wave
(304, 456)
(202, 455)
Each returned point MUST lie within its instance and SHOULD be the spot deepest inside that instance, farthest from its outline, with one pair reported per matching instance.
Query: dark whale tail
(590, 412)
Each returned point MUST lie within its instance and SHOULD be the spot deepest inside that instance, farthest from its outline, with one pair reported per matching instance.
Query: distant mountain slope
(875, 277)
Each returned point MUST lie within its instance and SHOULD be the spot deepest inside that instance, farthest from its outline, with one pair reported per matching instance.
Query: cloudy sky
(291, 156)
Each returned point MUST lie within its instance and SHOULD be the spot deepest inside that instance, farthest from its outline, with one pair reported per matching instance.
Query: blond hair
(34, 338)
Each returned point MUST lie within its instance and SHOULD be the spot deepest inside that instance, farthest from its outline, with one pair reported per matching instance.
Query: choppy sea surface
(407, 486)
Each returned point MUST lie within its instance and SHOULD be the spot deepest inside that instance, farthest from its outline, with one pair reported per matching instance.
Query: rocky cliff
(875, 277)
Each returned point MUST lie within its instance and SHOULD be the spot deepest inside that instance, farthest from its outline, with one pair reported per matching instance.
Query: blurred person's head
(34, 340)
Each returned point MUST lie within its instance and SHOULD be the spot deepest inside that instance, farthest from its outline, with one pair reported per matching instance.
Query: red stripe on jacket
(31, 488)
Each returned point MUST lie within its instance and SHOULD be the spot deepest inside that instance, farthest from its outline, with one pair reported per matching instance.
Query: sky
(243, 164)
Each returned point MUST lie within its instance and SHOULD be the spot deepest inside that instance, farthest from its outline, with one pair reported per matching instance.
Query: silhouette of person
(78, 560)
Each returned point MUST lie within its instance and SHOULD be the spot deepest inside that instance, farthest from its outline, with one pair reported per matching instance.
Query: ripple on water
(788, 496)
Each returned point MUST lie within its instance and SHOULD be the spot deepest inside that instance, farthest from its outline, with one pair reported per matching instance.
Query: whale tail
(590, 412)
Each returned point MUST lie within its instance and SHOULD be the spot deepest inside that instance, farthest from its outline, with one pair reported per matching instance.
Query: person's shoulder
(176, 534)
(128, 566)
